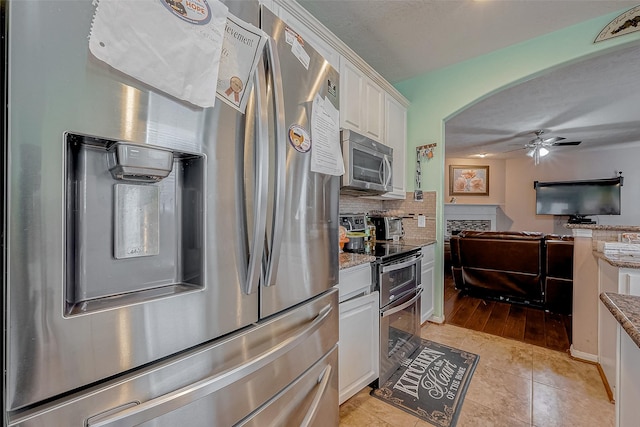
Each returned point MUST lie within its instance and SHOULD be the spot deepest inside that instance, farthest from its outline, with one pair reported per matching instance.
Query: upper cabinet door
(352, 87)
(374, 110)
(396, 138)
(361, 102)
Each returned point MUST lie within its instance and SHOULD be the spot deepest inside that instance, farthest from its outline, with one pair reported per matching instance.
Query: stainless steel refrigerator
(164, 264)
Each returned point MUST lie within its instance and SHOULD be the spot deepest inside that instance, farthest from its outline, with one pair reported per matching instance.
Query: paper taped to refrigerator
(326, 155)
(171, 45)
(241, 50)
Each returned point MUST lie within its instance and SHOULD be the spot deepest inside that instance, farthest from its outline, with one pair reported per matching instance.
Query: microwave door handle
(280, 166)
(177, 399)
(388, 175)
(256, 251)
(402, 265)
(401, 307)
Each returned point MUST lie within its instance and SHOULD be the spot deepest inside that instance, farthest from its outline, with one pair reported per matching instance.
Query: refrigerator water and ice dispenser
(137, 214)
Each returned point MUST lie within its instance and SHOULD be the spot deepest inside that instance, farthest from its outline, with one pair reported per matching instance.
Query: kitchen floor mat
(431, 383)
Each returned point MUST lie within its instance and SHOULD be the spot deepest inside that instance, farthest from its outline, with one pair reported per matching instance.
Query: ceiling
(594, 101)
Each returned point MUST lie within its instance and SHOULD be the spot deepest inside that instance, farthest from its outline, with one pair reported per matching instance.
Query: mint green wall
(440, 94)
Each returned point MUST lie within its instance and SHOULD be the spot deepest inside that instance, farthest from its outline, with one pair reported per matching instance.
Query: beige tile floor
(514, 384)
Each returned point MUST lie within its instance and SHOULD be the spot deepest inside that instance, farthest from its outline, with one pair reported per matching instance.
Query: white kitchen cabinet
(396, 137)
(428, 262)
(358, 345)
(351, 88)
(628, 390)
(354, 281)
(361, 102)
(622, 281)
(359, 339)
(374, 110)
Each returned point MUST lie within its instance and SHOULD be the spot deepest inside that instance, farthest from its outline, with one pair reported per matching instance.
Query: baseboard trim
(607, 387)
(435, 319)
(580, 355)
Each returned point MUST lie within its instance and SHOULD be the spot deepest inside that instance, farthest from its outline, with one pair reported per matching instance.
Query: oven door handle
(402, 306)
(402, 265)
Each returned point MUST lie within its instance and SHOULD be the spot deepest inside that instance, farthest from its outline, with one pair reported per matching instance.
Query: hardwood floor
(530, 325)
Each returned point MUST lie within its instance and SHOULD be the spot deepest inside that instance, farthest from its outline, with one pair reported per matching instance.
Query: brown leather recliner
(523, 267)
(506, 265)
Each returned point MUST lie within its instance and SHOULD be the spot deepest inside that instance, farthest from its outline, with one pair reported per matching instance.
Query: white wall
(565, 164)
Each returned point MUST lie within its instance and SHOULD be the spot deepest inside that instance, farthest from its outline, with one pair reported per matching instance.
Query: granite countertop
(348, 260)
(351, 260)
(620, 261)
(604, 227)
(626, 310)
(418, 242)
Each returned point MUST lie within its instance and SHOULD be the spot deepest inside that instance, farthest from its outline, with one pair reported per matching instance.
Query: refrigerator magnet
(291, 35)
(196, 11)
(299, 138)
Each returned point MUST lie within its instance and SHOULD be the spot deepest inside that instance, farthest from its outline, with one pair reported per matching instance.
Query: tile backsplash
(409, 208)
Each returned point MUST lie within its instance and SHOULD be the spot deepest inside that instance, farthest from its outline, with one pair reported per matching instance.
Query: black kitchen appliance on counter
(388, 227)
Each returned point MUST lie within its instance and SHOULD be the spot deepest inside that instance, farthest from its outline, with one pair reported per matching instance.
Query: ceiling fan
(539, 146)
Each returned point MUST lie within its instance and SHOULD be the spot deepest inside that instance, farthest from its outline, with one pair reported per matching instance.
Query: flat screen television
(579, 199)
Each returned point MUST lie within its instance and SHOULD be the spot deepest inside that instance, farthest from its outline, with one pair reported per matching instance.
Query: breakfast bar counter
(626, 311)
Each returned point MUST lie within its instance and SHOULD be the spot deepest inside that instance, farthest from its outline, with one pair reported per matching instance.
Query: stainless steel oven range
(396, 274)
(396, 277)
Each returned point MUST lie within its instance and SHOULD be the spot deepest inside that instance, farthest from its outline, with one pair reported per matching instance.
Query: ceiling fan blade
(558, 144)
(516, 149)
(552, 140)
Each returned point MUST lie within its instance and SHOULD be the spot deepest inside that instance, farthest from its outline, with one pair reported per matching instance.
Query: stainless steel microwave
(368, 165)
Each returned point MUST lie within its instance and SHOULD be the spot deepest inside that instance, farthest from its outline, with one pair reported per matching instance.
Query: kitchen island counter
(626, 310)
(626, 353)
(620, 261)
(631, 228)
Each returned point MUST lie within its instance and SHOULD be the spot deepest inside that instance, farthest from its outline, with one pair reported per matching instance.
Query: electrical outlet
(422, 221)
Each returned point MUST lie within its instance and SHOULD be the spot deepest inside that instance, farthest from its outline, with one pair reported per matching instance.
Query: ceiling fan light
(543, 152)
(531, 152)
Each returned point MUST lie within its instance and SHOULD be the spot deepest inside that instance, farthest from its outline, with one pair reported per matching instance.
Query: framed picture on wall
(468, 180)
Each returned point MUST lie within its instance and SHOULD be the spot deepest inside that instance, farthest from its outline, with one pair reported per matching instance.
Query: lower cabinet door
(428, 262)
(426, 309)
(358, 344)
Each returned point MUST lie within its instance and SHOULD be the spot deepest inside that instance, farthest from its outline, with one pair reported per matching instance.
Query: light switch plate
(422, 221)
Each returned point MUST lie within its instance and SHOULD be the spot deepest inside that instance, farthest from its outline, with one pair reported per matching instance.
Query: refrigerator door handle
(174, 400)
(256, 251)
(315, 404)
(280, 166)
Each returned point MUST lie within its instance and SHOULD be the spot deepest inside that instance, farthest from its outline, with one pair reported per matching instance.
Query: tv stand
(580, 219)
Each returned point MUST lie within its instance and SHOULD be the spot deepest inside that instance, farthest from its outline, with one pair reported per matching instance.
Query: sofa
(517, 266)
